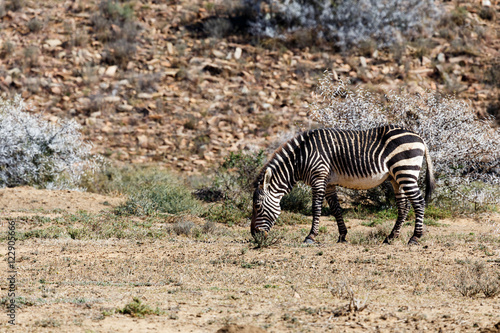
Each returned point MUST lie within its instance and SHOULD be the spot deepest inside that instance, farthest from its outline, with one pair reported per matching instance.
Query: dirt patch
(21, 200)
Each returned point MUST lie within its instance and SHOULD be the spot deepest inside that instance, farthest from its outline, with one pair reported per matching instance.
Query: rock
(218, 53)
(441, 57)
(112, 99)
(170, 48)
(426, 61)
(362, 61)
(124, 108)
(52, 43)
(55, 90)
(237, 53)
(143, 141)
(486, 3)
(144, 96)
(110, 71)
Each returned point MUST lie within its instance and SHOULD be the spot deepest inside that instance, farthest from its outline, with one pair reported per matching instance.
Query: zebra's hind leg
(403, 208)
(418, 204)
(333, 202)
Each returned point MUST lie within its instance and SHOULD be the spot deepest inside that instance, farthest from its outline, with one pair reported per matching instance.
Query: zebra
(357, 159)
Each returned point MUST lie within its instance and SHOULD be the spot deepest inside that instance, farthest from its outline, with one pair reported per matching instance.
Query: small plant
(344, 290)
(475, 278)
(14, 5)
(31, 55)
(218, 27)
(35, 25)
(273, 237)
(138, 309)
(7, 49)
(183, 227)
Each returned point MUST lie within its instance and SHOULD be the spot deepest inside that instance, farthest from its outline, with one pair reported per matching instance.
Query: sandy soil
(205, 284)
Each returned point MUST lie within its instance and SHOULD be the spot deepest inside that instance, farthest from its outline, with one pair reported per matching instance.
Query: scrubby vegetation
(465, 150)
(347, 23)
(41, 153)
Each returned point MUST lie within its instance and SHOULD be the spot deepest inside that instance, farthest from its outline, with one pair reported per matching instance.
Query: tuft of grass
(273, 237)
(35, 25)
(371, 237)
(138, 309)
(475, 278)
(289, 218)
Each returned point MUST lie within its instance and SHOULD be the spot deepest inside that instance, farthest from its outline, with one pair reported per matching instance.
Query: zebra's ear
(267, 179)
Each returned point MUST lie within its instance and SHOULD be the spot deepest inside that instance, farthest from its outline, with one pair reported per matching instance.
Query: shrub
(138, 309)
(465, 150)
(154, 191)
(233, 182)
(114, 24)
(299, 200)
(36, 152)
(349, 23)
(475, 278)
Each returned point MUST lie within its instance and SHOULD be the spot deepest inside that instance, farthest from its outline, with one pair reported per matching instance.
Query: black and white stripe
(326, 158)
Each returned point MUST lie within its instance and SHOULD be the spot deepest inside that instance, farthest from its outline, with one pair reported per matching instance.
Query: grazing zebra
(325, 158)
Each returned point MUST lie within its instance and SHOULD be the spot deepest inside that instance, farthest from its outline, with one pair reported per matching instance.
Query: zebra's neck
(284, 166)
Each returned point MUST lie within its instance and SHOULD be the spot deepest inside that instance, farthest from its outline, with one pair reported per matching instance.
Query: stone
(55, 90)
(110, 71)
(218, 53)
(441, 57)
(52, 43)
(362, 61)
(237, 53)
(143, 141)
(112, 99)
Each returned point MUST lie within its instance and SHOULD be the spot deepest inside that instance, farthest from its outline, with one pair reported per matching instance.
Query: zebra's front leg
(318, 190)
(333, 202)
(403, 208)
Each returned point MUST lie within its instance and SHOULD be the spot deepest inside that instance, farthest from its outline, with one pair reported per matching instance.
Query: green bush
(233, 184)
(152, 191)
(299, 200)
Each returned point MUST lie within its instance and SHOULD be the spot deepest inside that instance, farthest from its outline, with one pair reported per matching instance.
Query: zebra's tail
(430, 183)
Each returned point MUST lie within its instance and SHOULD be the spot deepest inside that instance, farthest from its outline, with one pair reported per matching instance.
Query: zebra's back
(364, 159)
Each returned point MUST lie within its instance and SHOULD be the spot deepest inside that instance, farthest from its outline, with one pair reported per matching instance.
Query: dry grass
(202, 280)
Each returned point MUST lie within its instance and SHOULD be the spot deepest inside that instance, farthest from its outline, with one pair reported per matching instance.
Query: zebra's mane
(262, 172)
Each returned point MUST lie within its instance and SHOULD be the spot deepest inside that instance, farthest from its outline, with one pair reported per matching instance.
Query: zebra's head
(266, 205)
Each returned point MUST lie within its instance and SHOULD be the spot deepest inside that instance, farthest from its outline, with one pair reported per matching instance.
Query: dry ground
(200, 284)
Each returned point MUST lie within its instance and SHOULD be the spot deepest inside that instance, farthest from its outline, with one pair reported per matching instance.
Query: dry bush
(476, 278)
(343, 289)
(465, 150)
(346, 23)
(36, 152)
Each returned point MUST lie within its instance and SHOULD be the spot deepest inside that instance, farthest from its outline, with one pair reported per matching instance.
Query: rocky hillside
(154, 81)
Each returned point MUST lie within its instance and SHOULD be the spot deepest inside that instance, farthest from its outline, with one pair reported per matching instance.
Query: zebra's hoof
(342, 239)
(309, 241)
(387, 240)
(413, 241)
